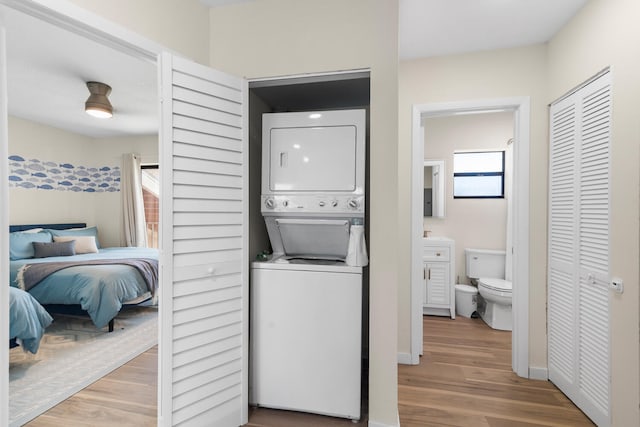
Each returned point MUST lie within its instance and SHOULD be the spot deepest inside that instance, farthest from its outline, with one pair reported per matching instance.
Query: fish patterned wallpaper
(35, 174)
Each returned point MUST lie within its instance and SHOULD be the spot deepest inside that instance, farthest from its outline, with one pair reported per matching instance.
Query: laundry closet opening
(316, 93)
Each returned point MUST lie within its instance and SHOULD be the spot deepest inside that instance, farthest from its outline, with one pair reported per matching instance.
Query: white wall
(282, 37)
(471, 223)
(285, 37)
(484, 75)
(27, 206)
(606, 33)
(182, 26)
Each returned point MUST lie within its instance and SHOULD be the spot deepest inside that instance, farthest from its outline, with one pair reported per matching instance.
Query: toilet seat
(496, 290)
(498, 285)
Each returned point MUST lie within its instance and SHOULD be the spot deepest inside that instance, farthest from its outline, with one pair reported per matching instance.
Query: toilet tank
(485, 263)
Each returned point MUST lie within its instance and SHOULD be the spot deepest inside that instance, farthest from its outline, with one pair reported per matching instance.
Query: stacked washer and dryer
(306, 299)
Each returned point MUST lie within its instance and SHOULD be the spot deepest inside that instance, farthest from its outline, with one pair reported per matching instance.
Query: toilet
(486, 270)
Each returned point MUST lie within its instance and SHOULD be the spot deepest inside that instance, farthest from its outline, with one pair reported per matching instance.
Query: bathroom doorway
(519, 107)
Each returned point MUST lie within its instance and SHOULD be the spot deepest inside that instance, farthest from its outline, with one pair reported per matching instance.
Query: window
(478, 175)
(150, 193)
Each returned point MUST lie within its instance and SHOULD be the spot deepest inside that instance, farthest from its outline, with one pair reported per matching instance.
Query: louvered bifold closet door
(593, 301)
(562, 283)
(207, 247)
(579, 359)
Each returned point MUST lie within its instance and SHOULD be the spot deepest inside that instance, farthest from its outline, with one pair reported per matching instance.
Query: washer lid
(496, 284)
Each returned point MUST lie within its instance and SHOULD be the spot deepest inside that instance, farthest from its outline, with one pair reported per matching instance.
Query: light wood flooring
(126, 397)
(464, 379)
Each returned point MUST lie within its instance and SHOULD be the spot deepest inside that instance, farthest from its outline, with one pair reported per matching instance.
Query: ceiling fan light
(98, 112)
(98, 105)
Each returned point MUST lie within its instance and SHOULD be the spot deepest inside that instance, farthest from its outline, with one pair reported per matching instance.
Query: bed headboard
(51, 226)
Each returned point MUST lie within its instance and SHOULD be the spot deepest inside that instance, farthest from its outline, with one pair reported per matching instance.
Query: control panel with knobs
(304, 204)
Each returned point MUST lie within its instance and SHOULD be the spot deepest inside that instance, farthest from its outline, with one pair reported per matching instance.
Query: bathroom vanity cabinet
(438, 257)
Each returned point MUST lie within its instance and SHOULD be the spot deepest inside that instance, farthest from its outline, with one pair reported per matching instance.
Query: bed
(27, 320)
(63, 266)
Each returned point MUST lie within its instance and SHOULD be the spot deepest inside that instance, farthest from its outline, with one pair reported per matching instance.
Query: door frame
(86, 24)
(520, 106)
(4, 237)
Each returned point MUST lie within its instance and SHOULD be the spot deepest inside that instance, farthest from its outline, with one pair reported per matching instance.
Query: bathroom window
(478, 175)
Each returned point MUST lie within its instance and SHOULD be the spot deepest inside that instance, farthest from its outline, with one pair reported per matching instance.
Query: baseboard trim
(404, 359)
(538, 373)
(377, 424)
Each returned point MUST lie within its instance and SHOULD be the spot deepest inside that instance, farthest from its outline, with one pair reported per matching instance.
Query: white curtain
(508, 194)
(134, 226)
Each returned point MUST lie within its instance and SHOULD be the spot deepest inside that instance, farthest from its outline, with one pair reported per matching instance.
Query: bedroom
(56, 130)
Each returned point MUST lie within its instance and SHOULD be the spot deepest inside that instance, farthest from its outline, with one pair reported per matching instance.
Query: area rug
(72, 355)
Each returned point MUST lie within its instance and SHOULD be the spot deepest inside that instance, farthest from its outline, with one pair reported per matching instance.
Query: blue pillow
(89, 231)
(21, 243)
(47, 249)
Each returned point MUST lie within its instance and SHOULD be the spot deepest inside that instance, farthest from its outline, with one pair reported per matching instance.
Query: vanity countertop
(436, 239)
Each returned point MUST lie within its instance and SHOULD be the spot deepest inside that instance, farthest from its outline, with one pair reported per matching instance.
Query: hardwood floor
(126, 397)
(464, 380)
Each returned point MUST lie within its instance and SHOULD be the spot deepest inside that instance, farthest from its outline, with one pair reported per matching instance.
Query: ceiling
(47, 71)
(445, 27)
(48, 67)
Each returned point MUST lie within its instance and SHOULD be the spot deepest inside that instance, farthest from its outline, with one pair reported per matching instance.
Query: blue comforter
(101, 290)
(27, 319)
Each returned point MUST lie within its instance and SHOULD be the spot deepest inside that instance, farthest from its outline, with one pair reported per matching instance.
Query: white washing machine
(306, 302)
(306, 337)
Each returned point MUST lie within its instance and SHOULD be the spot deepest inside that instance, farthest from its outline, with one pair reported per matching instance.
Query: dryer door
(313, 159)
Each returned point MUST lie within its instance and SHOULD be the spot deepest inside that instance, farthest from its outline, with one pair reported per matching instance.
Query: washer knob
(285, 203)
(334, 203)
(321, 203)
(353, 203)
(270, 203)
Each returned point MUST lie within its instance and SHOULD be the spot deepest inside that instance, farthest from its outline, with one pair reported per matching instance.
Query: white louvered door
(203, 346)
(578, 269)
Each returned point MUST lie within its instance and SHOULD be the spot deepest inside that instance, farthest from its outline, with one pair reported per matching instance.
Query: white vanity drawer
(435, 253)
